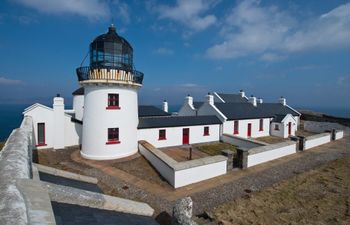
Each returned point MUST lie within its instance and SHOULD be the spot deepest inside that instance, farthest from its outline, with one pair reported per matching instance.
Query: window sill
(161, 139)
(40, 145)
(261, 130)
(206, 134)
(235, 133)
(112, 142)
(113, 107)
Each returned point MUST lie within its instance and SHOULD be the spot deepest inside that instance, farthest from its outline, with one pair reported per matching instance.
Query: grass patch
(215, 148)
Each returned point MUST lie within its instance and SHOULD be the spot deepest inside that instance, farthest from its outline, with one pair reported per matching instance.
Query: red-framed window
(41, 134)
(162, 134)
(261, 125)
(113, 136)
(236, 127)
(277, 127)
(206, 131)
(113, 101)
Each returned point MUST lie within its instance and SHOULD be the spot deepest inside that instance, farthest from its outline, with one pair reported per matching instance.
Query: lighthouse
(110, 85)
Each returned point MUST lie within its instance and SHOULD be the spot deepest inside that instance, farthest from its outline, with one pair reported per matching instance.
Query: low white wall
(339, 134)
(158, 162)
(199, 173)
(319, 127)
(316, 140)
(267, 153)
(174, 135)
(240, 142)
(180, 174)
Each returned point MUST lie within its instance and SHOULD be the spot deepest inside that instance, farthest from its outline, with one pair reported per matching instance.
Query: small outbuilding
(283, 126)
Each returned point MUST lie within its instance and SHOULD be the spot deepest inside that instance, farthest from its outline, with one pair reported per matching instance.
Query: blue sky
(298, 49)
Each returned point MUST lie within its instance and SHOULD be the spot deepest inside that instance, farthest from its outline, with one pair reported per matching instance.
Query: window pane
(41, 133)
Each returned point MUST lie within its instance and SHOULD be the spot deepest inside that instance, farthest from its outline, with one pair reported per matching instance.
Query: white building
(107, 121)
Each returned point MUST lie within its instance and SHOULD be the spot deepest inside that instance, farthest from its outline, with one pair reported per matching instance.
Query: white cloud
(191, 85)
(272, 57)
(189, 13)
(254, 29)
(6, 81)
(92, 9)
(122, 11)
(164, 51)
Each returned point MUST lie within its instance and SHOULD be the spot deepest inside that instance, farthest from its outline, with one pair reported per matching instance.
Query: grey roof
(79, 91)
(176, 121)
(150, 110)
(197, 105)
(278, 118)
(232, 98)
(247, 111)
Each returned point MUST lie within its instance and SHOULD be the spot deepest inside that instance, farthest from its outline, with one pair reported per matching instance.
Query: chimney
(242, 93)
(189, 100)
(260, 100)
(252, 100)
(210, 99)
(283, 101)
(58, 112)
(165, 106)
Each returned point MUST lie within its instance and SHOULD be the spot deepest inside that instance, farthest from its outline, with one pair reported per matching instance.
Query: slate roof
(232, 98)
(150, 110)
(176, 121)
(278, 118)
(247, 111)
(197, 105)
(79, 91)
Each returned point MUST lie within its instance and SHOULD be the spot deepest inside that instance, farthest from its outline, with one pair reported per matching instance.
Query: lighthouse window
(113, 101)
(113, 135)
(162, 135)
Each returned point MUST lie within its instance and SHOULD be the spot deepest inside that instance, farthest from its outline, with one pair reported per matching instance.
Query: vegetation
(2, 143)
(215, 148)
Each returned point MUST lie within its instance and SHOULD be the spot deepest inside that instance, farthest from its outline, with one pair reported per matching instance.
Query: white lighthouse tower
(110, 84)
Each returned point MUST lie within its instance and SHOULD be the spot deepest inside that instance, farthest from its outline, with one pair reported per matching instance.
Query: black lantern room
(110, 50)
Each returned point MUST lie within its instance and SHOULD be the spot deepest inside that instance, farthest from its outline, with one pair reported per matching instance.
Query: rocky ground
(319, 196)
(2, 145)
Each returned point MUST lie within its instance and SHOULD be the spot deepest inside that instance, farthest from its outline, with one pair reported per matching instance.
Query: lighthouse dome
(110, 50)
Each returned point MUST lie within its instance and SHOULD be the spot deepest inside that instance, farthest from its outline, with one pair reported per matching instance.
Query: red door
(185, 136)
(289, 128)
(249, 130)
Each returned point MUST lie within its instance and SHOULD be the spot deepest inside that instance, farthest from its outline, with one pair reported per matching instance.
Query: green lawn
(215, 148)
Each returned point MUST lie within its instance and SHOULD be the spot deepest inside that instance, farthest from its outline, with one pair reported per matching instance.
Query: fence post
(229, 154)
(242, 155)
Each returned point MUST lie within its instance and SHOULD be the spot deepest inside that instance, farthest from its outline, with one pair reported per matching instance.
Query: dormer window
(113, 101)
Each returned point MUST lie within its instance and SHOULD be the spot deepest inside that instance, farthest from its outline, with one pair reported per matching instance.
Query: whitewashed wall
(316, 140)
(97, 120)
(277, 133)
(160, 162)
(187, 110)
(240, 142)
(45, 115)
(243, 128)
(270, 152)
(72, 132)
(78, 106)
(180, 174)
(210, 110)
(339, 134)
(199, 173)
(283, 127)
(174, 135)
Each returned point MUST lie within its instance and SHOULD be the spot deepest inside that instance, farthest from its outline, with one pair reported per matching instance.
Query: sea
(11, 115)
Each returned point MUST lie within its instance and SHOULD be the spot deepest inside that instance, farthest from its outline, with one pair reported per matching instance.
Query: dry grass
(320, 196)
(215, 148)
(2, 145)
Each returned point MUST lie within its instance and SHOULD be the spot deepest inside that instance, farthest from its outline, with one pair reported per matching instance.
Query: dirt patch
(2, 145)
(141, 168)
(183, 154)
(271, 139)
(214, 148)
(320, 196)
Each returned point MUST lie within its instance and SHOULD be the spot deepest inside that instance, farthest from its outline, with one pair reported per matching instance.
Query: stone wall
(320, 127)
